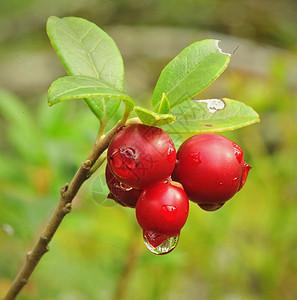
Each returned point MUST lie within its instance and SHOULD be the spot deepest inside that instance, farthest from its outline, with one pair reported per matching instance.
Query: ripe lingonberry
(161, 212)
(211, 169)
(119, 192)
(141, 156)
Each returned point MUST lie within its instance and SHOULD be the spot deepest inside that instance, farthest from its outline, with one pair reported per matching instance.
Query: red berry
(211, 169)
(161, 212)
(121, 193)
(141, 156)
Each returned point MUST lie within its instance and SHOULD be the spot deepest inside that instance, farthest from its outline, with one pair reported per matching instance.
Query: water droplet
(159, 243)
(238, 152)
(245, 173)
(221, 185)
(213, 105)
(235, 181)
(124, 160)
(196, 158)
(211, 207)
(169, 212)
(125, 187)
(171, 153)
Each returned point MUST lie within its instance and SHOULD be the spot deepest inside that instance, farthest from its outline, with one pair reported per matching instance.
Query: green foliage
(211, 115)
(85, 49)
(75, 87)
(92, 59)
(190, 72)
(151, 118)
(164, 106)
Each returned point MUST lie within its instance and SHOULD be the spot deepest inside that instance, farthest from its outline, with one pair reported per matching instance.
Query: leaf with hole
(190, 72)
(211, 115)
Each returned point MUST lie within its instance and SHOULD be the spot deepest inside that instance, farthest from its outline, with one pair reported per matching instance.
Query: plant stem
(98, 163)
(101, 130)
(68, 192)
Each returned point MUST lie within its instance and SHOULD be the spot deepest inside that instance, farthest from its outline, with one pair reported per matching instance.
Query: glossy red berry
(141, 156)
(211, 169)
(161, 212)
(119, 192)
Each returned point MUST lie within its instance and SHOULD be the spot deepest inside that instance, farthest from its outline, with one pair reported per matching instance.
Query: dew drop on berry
(169, 212)
(246, 169)
(238, 152)
(220, 185)
(158, 243)
(123, 160)
(235, 181)
(125, 187)
(196, 158)
(171, 154)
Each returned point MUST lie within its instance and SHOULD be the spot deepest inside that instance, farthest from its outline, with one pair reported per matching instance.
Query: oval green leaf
(211, 115)
(85, 49)
(75, 87)
(151, 118)
(190, 72)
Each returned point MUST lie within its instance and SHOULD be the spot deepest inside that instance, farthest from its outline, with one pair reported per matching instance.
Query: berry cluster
(145, 172)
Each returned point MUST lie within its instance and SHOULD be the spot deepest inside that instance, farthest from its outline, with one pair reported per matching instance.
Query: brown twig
(68, 192)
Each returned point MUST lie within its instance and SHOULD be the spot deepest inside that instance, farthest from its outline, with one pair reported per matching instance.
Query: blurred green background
(246, 250)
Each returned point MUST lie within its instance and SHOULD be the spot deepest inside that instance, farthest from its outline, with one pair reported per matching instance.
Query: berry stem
(133, 121)
(68, 192)
(98, 163)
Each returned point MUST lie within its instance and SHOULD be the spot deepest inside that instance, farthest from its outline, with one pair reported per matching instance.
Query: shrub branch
(67, 194)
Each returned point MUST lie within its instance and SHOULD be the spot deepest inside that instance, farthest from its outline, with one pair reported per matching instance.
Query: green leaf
(164, 106)
(75, 87)
(85, 49)
(190, 72)
(212, 115)
(104, 108)
(151, 118)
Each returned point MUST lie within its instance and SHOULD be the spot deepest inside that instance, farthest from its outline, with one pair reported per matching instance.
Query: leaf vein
(85, 34)
(81, 57)
(86, 50)
(105, 63)
(96, 46)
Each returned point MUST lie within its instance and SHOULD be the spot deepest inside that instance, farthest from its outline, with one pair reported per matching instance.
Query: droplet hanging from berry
(152, 242)
(161, 212)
